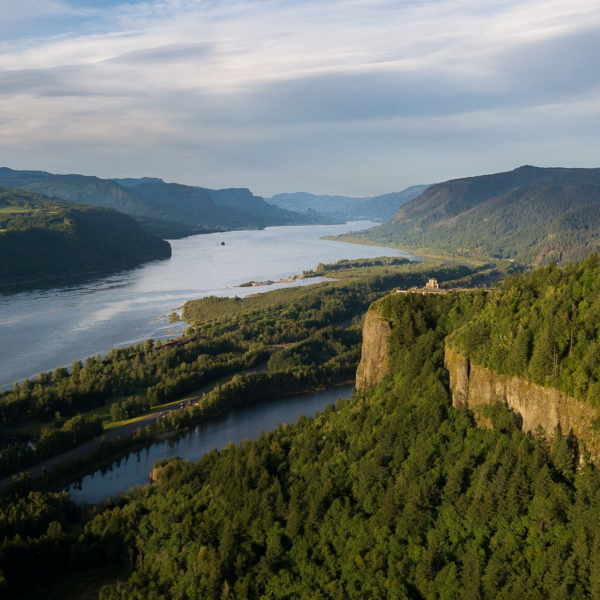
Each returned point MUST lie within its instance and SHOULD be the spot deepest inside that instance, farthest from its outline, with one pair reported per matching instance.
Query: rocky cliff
(373, 365)
(474, 387)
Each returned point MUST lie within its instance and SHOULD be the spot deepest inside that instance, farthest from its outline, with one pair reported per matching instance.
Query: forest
(543, 325)
(228, 336)
(41, 237)
(389, 494)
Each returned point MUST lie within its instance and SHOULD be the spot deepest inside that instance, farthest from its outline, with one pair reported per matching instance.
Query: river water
(42, 328)
(235, 426)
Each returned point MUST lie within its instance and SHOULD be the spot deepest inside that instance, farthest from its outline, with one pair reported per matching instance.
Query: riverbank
(291, 279)
(422, 253)
(138, 434)
(234, 426)
(94, 315)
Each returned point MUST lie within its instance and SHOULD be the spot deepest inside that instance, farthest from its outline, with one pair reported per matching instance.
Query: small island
(271, 282)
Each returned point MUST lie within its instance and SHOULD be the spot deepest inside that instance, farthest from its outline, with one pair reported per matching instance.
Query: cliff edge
(374, 361)
(474, 387)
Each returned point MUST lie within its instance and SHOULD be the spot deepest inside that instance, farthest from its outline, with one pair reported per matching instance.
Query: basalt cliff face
(474, 387)
(374, 362)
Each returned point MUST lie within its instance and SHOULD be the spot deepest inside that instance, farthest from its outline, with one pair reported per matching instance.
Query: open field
(15, 209)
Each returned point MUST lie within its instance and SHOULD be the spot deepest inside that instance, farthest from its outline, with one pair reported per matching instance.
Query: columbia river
(44, 327)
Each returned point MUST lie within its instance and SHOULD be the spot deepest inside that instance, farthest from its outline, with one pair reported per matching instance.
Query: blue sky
(348, 97)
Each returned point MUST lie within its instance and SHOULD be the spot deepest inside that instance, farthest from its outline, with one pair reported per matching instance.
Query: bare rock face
(474, 387)
(156, 473)
(373, 365)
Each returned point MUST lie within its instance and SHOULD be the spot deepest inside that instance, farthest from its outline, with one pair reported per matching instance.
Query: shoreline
(83, 465)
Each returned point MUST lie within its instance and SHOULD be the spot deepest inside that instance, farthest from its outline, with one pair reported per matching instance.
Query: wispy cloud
(326, 96)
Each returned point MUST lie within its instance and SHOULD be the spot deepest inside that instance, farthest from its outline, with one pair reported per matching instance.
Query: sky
(348, 97)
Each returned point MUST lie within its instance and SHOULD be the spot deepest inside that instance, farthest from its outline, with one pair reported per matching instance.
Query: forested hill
(198, 210)
(530, 215)
(43, 237)
(392, 494)
(167, 210)
(378, 208)
(542, 326)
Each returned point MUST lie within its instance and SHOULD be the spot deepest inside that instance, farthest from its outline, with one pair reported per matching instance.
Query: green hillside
(43, 238)
(390, 494)
(529, 215)
(544, 326)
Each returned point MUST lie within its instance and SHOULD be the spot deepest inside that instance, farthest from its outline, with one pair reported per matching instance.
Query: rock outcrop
(374, 360)
(474, 387)
(156, 473)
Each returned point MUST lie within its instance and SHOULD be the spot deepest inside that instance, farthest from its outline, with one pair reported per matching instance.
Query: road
(123, 432)
(129, 430)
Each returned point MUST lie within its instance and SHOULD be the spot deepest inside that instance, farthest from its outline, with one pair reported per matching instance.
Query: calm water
(237, 425)
(41, 329)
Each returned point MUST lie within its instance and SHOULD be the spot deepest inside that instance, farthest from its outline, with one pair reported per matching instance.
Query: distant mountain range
(531, 215)
(43, 237)
(378, 208)
(168, 210)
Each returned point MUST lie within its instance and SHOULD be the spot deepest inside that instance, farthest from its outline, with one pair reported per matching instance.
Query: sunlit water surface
(43, 328)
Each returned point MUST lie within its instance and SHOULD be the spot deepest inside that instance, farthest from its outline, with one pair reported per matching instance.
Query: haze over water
(42, 329)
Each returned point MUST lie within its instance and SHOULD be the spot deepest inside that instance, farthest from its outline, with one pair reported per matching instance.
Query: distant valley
(74, 224)
(168, 210)
(378, 208)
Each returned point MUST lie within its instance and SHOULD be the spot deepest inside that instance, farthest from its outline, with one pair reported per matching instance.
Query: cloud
(236, 87)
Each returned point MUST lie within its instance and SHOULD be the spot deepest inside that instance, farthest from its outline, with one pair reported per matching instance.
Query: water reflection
(94, 315)
(244, 423)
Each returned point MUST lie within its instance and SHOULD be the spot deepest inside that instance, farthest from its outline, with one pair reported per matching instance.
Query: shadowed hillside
(41, 237)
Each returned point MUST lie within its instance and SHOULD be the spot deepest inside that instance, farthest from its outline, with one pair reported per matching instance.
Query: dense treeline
(318, 349)
(188, 377)
(119, 373)
(394, 495)
(323, 302)
(42, 237)
(34, 547)
(51, 442)
(542, 325)
(327, 358)
(390, 495)
(345, 264)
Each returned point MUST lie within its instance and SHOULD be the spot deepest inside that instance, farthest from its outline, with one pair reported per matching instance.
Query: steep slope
(531, 215)
(532, 345)
(378, 208)
(130, 182)
(42, 238)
